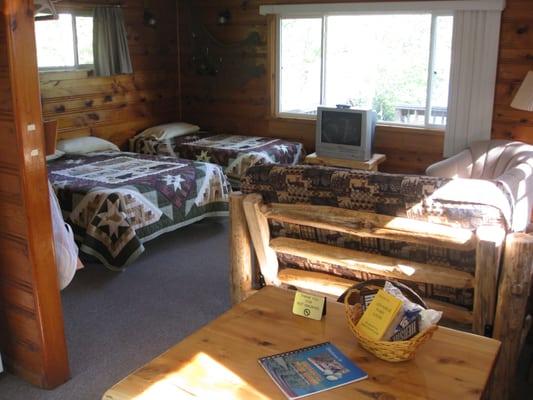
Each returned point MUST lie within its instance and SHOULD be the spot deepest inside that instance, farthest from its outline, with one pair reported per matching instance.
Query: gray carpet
(116, 322)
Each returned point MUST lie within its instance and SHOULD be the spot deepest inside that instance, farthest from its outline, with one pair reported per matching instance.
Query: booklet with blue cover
(310, 370)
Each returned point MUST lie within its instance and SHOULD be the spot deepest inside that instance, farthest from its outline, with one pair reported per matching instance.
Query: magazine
(310, 370)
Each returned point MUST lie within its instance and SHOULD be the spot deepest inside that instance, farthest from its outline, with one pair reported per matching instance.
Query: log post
(488, 256)
(515, 281)
(240, 251)
(260, 234)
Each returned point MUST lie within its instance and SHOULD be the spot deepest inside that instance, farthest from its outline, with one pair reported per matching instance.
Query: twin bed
(234, 153)
(116, 201)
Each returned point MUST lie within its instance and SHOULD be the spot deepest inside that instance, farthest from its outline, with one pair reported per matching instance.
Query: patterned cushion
(410, 196)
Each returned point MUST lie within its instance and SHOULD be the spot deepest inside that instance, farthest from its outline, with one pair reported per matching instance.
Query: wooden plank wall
(231, 102)
(236, 101)
(116, 108)
(515, 60)
(32, 338)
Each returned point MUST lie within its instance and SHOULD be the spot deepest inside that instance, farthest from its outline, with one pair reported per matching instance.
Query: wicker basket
(385, 350)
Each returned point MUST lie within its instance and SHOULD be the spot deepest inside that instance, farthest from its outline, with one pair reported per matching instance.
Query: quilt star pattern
(234, 153)
(117, 201)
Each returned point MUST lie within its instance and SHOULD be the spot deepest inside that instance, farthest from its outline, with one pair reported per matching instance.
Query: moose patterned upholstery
(411, 196)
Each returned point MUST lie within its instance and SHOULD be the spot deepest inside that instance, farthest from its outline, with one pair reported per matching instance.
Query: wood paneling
(515, 60)
(224, 103)
(32, 337)
(235, 100)
(118, 107)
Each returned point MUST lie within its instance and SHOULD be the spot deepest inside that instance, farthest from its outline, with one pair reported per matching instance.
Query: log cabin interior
(163, 161)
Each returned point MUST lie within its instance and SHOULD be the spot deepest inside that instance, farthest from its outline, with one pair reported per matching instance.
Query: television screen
(341, 128)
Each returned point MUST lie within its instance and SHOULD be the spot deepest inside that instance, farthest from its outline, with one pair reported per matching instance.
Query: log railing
(487, 242)
(501, 280)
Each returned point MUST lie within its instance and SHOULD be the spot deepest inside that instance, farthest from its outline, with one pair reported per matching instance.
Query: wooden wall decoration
(209, 53)
(515, 60)
(32, 337)
(116, 108)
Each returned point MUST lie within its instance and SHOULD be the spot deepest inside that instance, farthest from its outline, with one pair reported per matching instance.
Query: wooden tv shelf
(370, 165)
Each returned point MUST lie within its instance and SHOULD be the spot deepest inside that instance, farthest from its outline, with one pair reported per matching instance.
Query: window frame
(77, 66)
(276, 22)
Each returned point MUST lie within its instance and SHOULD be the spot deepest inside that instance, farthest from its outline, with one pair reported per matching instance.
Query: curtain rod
(103, 5)
(87, 4)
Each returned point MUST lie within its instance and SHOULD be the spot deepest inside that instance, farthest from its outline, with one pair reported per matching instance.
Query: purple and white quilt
(233, 152)
(117, 201)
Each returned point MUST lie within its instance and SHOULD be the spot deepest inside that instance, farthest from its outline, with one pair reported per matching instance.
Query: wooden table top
(219, 361)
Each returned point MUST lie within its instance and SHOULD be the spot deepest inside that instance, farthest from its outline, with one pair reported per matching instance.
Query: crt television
(345, 132)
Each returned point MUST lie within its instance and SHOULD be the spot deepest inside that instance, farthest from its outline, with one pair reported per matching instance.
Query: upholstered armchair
(508, 163)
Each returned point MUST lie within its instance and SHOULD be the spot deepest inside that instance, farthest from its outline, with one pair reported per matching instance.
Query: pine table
(219, 361)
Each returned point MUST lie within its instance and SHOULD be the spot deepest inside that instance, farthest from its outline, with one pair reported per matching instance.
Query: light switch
(31, 128)
(34, 153)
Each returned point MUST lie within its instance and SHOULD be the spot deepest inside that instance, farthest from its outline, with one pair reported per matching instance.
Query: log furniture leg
(241, 274)
(260, 235)
(488, 257)
(515, 281)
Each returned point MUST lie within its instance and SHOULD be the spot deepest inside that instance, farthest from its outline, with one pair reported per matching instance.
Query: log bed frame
(501, 280)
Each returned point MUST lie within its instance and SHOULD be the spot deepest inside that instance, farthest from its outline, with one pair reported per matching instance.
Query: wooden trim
(178, 56)
(373, 263)
(48, 366)
(340, 8)
(272, 71)
(513, 291)
(365, 224)
(241, 274)
(488, 256)
(260, 234)
(315, 281)
(272, 37)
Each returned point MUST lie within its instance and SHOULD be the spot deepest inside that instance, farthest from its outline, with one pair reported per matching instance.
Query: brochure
(310, 370)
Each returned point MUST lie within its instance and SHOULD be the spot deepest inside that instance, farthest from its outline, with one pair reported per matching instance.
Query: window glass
(56, 47)
(441, 70)
(84, 33)
(368, 61)
(379, 62)
(300, 65)
(55, 42)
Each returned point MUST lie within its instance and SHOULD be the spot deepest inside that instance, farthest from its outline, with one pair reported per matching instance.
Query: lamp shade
(523, 100)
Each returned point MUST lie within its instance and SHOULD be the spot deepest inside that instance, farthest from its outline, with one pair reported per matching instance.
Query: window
(66, 42)
(397, 64)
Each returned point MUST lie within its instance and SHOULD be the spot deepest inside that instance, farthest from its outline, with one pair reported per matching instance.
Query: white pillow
(55, 156)
(84, 145)
(168, 131)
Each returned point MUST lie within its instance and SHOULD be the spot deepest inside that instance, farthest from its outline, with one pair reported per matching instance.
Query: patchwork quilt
(234, 153)
(117, 201)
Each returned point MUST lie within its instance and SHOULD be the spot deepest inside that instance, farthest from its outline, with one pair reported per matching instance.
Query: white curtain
(472, 78)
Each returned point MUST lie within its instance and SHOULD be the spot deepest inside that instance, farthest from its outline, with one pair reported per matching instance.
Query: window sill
(88, 70)
(379, 126)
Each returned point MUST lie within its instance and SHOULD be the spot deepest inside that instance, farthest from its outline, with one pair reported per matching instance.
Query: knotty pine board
(32, 338)
(116, 108)
(515, 60)
(214, 103)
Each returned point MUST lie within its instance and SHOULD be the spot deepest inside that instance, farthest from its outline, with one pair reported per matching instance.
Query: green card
(309, 306)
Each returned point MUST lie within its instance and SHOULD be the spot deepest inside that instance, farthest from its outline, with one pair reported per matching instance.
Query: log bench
(501, 280)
